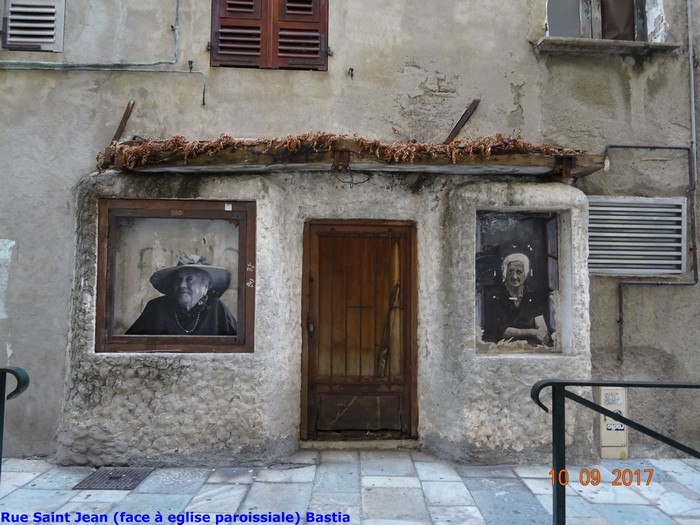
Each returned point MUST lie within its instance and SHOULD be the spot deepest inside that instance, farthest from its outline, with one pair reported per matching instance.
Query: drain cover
(114, 478)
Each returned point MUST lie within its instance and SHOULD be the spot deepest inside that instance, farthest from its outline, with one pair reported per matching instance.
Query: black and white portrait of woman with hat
(190, 304)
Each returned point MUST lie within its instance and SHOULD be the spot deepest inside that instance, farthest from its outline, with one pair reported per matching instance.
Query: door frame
(411, 316)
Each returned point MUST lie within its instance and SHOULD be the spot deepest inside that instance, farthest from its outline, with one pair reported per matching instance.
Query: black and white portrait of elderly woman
(190, 303)
(512, 311)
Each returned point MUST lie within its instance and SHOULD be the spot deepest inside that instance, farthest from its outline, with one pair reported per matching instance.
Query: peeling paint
(6, 246)
(657, 26)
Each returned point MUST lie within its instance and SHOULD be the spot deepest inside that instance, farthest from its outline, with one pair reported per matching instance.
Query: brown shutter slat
(300, 33)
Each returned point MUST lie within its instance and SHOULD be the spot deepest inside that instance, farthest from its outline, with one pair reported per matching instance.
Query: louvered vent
(35, 24)
(299, 43)
(239, 42)
(300, 7)
(636, 236)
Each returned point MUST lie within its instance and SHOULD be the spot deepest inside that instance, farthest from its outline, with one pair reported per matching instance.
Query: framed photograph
(175, 276)
(517, 278)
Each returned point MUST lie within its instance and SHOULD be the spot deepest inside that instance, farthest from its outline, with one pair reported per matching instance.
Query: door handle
(310, 329)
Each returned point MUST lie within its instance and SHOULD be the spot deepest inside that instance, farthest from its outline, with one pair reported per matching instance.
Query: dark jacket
(163, 316)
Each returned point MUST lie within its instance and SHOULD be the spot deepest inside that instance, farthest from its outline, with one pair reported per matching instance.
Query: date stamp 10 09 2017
(621, 477)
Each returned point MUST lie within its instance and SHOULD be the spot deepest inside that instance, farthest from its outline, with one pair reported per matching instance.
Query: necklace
(196, 322)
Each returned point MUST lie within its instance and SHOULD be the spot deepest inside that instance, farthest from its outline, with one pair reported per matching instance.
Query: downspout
(144, 67)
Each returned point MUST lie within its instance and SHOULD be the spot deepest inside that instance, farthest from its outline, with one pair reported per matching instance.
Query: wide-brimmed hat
(220, 278)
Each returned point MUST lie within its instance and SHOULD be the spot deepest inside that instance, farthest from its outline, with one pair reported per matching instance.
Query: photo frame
(517, 311)
(175, 276)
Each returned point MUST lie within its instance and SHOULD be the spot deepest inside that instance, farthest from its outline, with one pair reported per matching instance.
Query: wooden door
(359, 343)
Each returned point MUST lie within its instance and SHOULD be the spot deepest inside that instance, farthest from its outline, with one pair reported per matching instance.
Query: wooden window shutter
(240, 36)
(300, 34)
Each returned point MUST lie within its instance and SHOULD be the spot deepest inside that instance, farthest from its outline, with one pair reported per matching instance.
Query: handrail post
(22, 383)
(559, 453)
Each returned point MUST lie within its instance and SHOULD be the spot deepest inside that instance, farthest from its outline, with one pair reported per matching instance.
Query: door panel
(359, 370)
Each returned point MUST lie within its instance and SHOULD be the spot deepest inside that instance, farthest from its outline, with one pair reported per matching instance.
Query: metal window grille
(637, 236)
(34, 25)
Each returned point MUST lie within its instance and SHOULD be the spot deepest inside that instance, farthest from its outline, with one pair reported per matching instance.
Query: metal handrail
(20, 374)
(559, 396)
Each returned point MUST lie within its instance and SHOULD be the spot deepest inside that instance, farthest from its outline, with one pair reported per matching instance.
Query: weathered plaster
(132, 408)
(57, 120)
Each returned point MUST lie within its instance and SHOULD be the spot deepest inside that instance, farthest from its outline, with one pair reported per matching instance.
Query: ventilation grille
(636, 236)
(37, 24)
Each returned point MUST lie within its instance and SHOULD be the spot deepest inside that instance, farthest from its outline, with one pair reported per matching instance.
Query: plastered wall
(416, 64)
(208, 409)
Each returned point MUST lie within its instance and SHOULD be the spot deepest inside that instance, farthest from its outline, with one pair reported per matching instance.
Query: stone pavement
(370, 487)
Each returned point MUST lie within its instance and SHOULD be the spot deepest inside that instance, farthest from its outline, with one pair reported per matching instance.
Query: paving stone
(232, 475)
(339, 456)
(218, 498)
(440, 493)
(638, 464)
(287, 475)
(337, 477)
(436, 471)
(144, 503)
(576, 506)
(675, 504)
(607, 493)
(28, 501)
(394, 504)
(277, 497)
(354, 512)
(174, 481)
(386, 463)
(633, 515)
(86, 507)
(673, 466)
(469, 471)
(11, 481)
(504, 501)
(25, 465)
(100, 496)
(390, 481)
(339, 499)
(456, 516)
(60, 479)
(309, 457)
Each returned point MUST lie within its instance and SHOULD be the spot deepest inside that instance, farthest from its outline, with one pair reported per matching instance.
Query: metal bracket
(341, 160)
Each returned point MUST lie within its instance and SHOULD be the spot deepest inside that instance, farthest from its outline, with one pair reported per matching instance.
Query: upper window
(274, 34)
(600, 19)
(33, 25)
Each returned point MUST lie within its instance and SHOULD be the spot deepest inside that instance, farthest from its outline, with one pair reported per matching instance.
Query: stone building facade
(621, 114)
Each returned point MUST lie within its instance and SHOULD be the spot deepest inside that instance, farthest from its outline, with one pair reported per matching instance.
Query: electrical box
(613, 434)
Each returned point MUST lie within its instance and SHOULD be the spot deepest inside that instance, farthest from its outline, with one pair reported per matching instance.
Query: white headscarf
(521, 257)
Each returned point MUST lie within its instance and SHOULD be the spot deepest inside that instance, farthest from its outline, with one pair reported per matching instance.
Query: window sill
(590, 46)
